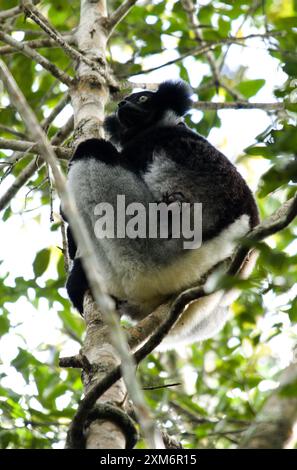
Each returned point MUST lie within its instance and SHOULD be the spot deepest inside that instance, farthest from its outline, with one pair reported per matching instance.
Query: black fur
(77, 285)
(113, 128)
(95, 148)
(174, 95)
(223, 190)
(71, 244)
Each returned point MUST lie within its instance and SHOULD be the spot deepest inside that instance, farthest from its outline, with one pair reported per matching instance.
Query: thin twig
(54, 113)
(39, 19)
(5, 14)
(45, 63)
(191, 13)
(34, 165)
(65, 246)
(23, 146)
(248, 14)
(10, 13)
(45, 123)
(159, 387)
(211, 105)
(38, 44)
(208, 46)
(12, 131)
(44, 24)
(119, 14)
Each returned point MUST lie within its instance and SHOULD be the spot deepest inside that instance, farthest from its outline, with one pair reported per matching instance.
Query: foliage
(224, 381)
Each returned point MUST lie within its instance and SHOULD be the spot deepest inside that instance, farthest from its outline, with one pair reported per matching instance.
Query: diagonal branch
(5, 14)
(12, 131)
(119, 14)
(192, 52)
(205, 48)
(45, 63)
(34, 165)
(18, 155)
(33, 13)
(54, 113)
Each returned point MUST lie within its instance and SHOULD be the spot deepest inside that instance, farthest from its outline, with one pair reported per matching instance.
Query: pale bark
(90, 94)
(89, 97)
(98, 350)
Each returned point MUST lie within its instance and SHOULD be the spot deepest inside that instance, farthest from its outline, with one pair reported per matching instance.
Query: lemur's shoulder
(100, 149)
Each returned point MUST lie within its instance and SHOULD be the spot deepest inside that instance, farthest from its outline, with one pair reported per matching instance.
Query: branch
(55, 111)
(5, 14)
(214, 106)
(274, 424)
(30, 169)
(31, 147)
(46, 64)
(119, 14)
(192, 52)
(39, 19)
(11, 131)
(190, 10)
(279, 220)
(17, 155)
(11, 12)
(206, 47)
(38, 43)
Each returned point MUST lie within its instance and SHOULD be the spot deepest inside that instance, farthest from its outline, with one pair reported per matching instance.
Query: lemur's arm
(100, 149)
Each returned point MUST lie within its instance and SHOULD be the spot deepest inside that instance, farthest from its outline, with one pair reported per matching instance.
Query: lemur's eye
(142, 99)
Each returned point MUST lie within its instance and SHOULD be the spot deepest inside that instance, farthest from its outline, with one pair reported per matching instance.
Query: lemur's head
(141, 110)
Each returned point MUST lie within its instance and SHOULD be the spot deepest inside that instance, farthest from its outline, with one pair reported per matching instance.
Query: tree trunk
(89, 96)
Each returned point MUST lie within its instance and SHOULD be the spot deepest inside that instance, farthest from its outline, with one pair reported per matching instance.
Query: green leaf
(249, 88)
(41, 262)
(4, 324)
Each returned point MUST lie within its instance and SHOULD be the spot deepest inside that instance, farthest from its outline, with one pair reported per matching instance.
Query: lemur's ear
(175, 95)
(113, 128)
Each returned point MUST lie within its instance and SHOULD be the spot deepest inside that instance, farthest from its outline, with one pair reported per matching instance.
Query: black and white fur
(152, 156)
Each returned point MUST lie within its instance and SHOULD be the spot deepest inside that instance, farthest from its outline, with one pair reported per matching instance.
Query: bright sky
(22, 236)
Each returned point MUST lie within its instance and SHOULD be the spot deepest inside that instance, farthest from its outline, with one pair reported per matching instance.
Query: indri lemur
(152, 156)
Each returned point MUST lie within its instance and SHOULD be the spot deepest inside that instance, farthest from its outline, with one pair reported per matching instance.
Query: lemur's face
(144, 109)
(136, 110)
